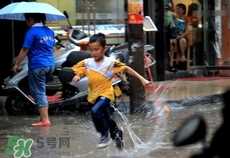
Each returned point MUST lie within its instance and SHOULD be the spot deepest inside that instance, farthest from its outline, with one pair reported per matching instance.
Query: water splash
(135, 139)
(158, 100)
(141, 148)
(156, 116)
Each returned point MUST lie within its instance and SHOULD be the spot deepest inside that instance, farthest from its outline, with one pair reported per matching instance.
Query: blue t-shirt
(180, 26)
(40, 42)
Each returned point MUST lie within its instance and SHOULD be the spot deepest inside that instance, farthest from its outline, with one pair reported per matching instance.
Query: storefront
(12, 34)
(91, 16)
(209, 35)
(193, 33)
(199, 47)
(188, 34)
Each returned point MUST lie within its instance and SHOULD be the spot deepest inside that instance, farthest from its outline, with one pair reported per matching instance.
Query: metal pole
(205, 28)
(94, 15)
(88, 16)
(84, 13)
(149, 10)
(81, 11)
(12, 39)
(211, 34)
(136, 50)
(160, 42)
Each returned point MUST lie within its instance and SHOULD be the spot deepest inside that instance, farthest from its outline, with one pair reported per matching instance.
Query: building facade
(208, 40)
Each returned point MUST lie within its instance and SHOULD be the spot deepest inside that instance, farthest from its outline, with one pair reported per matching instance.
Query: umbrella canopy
(16, 11)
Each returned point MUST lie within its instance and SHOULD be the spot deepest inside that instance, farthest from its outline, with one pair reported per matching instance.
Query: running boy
(100, 69)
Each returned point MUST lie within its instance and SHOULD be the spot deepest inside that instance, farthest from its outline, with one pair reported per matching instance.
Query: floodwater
(148, 135)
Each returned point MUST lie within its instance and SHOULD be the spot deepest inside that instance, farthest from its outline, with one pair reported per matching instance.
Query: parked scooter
(16, 89)
(60, 95)
(15, 86)
(194, 130)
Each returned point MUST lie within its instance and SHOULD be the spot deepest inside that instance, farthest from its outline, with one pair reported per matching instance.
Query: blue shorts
(37, 84)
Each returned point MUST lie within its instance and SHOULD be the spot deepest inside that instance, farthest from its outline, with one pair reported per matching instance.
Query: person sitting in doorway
(194, 25)
(180, 43)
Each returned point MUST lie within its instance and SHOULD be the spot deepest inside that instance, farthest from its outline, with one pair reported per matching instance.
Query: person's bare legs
(183, 47)
(37, 84)
(173, 52)
(44, 117)
(44, 114)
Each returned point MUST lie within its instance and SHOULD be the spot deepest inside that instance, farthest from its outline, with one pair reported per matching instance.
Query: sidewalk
(181, 89)
(190, 91)
(182, 92)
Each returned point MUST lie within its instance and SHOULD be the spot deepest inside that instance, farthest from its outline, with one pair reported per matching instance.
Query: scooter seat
(66, 75)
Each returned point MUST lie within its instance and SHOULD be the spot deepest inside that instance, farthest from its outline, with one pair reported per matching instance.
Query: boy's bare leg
(183, 47)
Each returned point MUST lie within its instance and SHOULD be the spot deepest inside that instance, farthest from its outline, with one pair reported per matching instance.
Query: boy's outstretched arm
(133, 73)
(79, 70)
(76, 78)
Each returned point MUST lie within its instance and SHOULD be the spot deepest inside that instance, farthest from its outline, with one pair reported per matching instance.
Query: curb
(197, 100)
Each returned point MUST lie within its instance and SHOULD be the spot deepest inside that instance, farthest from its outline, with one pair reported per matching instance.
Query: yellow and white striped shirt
(100, 84)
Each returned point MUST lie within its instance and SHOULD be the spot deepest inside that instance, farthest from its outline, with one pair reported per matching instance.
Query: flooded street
(146, 135)
(161, 68)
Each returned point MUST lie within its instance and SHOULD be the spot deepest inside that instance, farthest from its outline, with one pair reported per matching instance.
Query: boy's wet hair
(99, 37)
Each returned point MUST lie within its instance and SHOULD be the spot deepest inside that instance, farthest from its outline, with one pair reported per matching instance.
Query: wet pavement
(183, 89)
(73, 135)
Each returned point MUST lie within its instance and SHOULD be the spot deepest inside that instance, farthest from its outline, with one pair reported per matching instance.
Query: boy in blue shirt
(38, 47)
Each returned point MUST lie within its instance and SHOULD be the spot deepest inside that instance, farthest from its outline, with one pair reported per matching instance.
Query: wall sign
(135, 12)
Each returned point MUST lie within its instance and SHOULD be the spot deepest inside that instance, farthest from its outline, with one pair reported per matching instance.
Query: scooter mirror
(148, 24)
(191, 131)
(67, 18)
(66, 14)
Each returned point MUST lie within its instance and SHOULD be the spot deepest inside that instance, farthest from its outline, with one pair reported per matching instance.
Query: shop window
(183, 25)
(91, 16)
